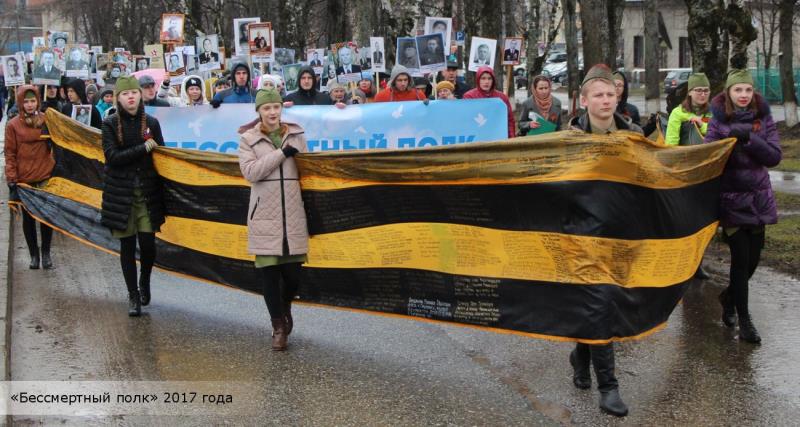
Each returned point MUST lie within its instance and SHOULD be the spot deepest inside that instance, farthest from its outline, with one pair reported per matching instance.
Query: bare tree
(535, 30)
(652, 96)
(766, 13)
(787, 8)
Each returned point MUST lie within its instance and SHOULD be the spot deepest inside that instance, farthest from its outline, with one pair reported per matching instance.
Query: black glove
(426, 101)
(741, 131)
(216, 103)
(13, 194)
(289, 151)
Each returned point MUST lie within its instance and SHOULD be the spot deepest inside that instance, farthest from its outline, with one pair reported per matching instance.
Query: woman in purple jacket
(746, 200)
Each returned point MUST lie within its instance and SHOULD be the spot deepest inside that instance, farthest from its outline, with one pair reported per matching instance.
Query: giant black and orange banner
(566, 236)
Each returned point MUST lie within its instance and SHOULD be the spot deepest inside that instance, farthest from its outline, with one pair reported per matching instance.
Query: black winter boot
(728, 309)
(603, 361)
(580, 358)
(47, 262)
(144, 290)
(134, 304)
(747, 331)
(34, 265)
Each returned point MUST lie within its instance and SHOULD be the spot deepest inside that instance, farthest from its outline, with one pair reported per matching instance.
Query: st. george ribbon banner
(566, 236)
(386, 125)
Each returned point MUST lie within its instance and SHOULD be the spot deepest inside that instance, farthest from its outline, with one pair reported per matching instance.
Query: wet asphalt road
(346, 368)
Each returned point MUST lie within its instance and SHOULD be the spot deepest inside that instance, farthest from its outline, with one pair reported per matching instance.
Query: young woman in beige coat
(276, 224)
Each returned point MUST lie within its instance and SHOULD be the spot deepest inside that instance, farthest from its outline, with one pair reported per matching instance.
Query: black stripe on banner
(595, 312)
(589, 312)
(77, 168)
(226, 204)
(219, 203)
(588, 208)
(83, 222)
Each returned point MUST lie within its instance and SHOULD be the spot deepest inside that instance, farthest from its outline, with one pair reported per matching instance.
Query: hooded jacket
(80, 88)
(185, 97)
(477, 93)
(391, 94)
(624, 108)
(101, 105)
(276, 217)
(238, 94)
(311, 96)
(746, 196)
(28, 157)
(55, 103)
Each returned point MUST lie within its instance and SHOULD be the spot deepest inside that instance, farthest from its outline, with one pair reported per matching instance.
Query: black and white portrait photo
(207, 48)
(481, 53)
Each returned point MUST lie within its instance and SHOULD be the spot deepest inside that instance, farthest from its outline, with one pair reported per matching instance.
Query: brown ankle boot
(279, 334)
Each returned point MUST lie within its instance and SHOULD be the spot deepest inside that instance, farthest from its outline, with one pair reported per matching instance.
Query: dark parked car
(675, 78)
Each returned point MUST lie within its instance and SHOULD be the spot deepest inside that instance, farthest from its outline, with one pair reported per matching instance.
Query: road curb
(6, 272)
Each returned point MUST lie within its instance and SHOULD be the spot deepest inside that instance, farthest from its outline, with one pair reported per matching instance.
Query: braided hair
(143, 131)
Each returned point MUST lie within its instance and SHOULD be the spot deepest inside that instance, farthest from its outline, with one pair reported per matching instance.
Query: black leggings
(278, 298)
(127, 258)
(29, 230)
(745, 245)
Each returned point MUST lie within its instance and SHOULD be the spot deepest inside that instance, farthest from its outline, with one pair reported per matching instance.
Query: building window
(684, 53)
(638, 51)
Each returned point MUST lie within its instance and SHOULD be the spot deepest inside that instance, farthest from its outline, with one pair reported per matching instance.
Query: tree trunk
(616, 8)
(709, 50)
(594, 18)
(571, 37)
(652, 96)
(787, 77)
(604, 18)
(741, 31)
(532, 32)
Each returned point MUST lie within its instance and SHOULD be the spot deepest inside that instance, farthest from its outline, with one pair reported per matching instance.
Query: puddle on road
(766, 370)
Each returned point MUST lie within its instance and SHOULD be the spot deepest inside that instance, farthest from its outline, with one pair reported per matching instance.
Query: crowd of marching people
(133, 209)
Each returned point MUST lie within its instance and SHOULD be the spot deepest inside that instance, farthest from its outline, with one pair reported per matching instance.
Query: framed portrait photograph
(512, 50)
(482, 52)
(82, 114)
(45, 71)
(175, 65)
(407, 54)
(432, 55)
(439, 25)
(14, 68)
(346, 58)
(315, 58)
(141, 62)
(281, 56)
(207, 48)
(57, 39)
(38, 42)
(259, 38)
(378, 53)
(291, 73)
(77, 62)
(172, 28)
(240, 34)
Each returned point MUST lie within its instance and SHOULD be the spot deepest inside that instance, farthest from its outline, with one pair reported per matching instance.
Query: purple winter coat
(746, 196)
